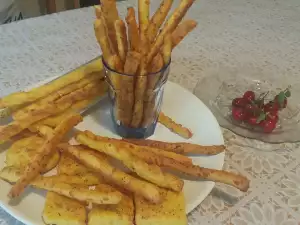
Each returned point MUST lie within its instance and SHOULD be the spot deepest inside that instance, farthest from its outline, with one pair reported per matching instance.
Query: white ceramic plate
(179, 104)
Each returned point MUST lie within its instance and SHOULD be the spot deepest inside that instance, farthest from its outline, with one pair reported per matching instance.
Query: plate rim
(18, 215)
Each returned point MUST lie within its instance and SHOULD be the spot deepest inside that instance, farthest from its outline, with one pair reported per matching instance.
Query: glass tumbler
(135, 101)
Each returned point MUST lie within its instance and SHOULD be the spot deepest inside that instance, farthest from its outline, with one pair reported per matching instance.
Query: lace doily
(261, 36)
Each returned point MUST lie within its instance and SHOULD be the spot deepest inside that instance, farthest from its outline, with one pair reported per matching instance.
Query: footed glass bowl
(218, 91)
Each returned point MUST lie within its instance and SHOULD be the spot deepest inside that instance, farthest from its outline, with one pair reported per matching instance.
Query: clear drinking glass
(135, 101)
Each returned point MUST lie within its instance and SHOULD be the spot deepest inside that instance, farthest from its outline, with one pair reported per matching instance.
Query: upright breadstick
(121, 37)
(110, 13)
(98, 164)
(167, 48)
(143, 9)
(102, 38)
(98, 11)
(181, 31)
(45, 151)
(115, 63)
(127, 91)
(139, 92)
(146, 171)
(133, 30)
(158, 19)
(169, 27)
(150, 108)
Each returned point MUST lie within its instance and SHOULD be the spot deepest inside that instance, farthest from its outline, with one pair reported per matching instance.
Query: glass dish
(135, 101)
(218, 91)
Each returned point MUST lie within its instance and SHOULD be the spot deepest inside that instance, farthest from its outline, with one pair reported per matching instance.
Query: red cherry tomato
(239, 102)
(252, 120)
(269, 126)
(249, 96)
(252, 109)
(271, 107)
(273, 116)
(238, 113)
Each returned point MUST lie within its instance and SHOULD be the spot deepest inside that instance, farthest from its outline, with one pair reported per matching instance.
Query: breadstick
(139, 92)
(59, 94)
(149, 109)
(102, 38)
(149, 101)
(133, 30)
(115, 63)
(110, 14)
(98, 11)
(101, 194)
(179, 147)
(45, 151)
(174, 127)
(169, 27)
(15, 100)
(235, 180)
(181, 31)
(96, 163)
(127, 90)
(121, 37)
(148, 172)
(167, 48)
(143, 9)
(128, 146)
(12, 174)
(158, 19)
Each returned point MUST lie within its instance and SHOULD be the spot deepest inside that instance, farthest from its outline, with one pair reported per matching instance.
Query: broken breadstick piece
(174, 127)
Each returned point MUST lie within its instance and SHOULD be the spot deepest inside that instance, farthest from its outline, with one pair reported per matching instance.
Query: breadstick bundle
(136, 54)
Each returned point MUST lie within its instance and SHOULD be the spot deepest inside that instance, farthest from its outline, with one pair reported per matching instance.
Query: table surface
(258, 35)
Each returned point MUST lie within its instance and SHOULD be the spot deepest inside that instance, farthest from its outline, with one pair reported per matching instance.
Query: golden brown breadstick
(102, 38)
(181, 31)
(133, 30)
(139, 92)
(110, 14)
(121, 37)
(12, 174)
(54, 120)
(115, 63)
(98, 11)
(96, 163)
(169, 27)
(67, 91)
(149, 102)
(235, 180)
(127, 91)
(167, 48)
(148, 172)
(180, 147)
(174, 127)
(143, 9)
(45, 151)
(127, 146)
(15, 100)
(158, 18)
(101, 194)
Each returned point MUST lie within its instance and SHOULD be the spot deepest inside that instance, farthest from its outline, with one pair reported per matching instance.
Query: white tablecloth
(258, 35)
